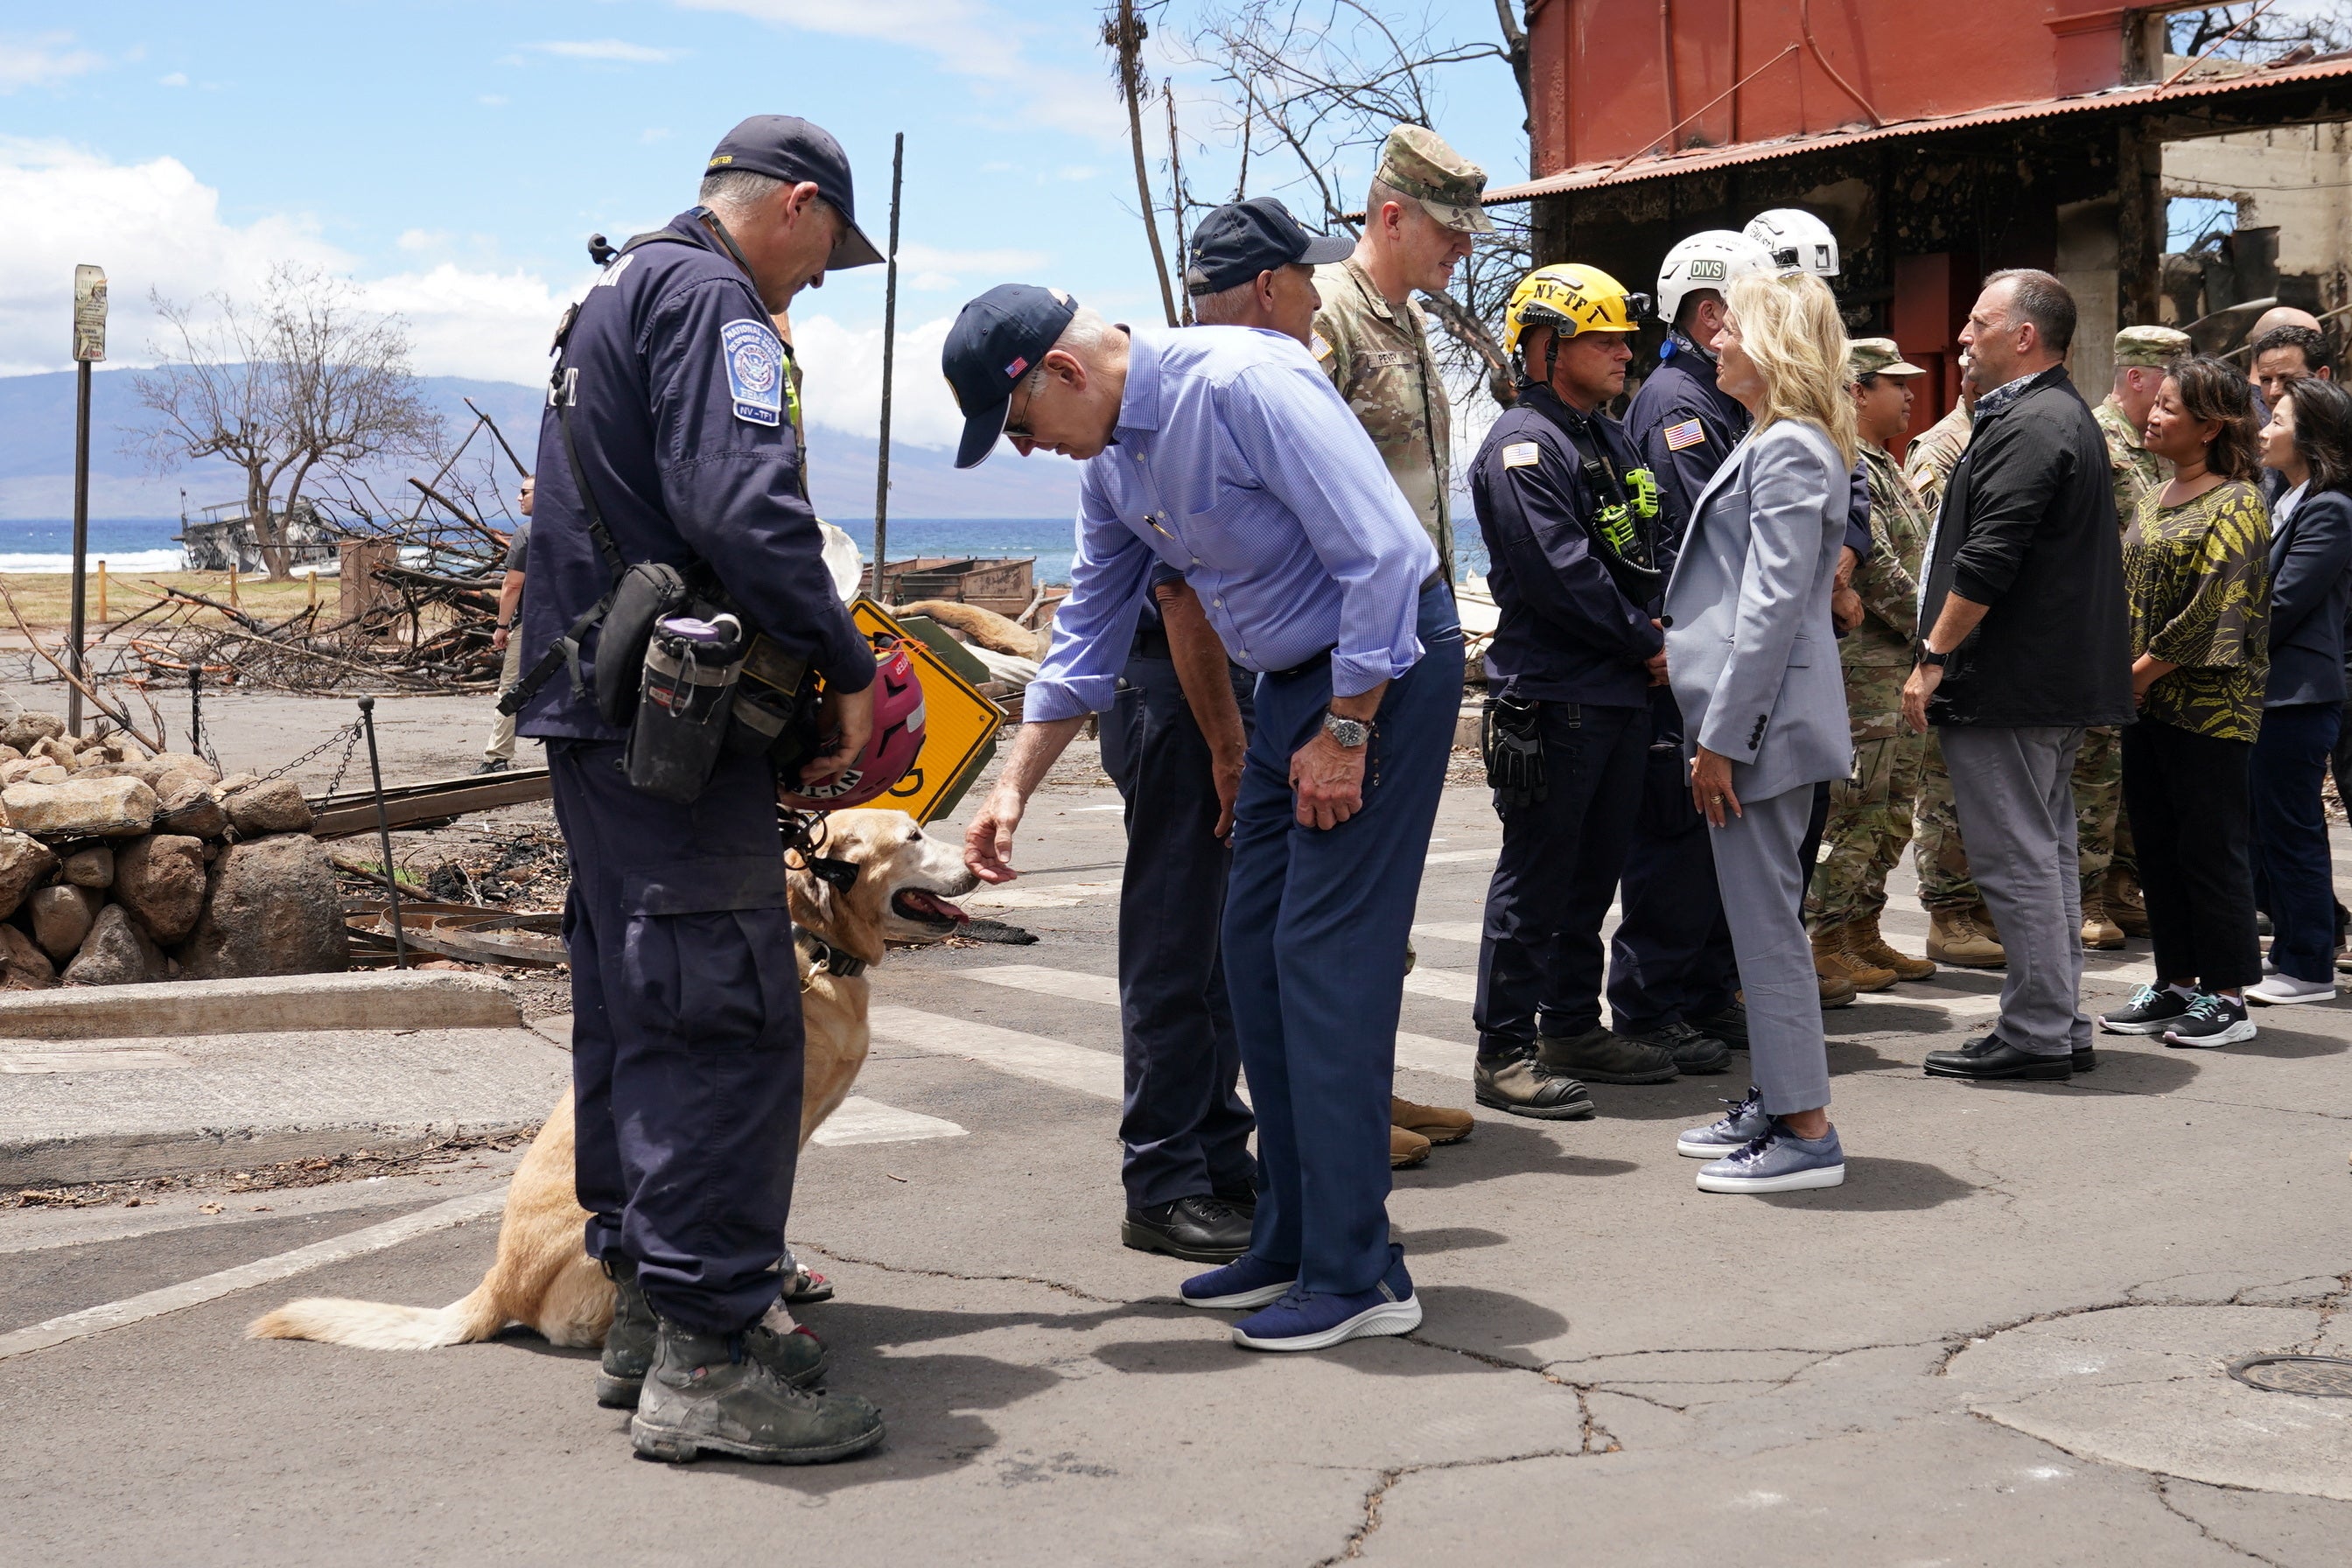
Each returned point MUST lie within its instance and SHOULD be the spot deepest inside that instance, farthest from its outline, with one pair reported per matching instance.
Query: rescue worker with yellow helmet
(1570, 521)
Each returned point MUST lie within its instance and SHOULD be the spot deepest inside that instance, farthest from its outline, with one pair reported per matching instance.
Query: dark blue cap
(1242, 239)
(998, 338)
(787, 147)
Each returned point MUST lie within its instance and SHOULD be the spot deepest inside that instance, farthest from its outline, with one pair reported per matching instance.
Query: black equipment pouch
(685, 700)
(1512, 741)
(775, 708)
(645, 593)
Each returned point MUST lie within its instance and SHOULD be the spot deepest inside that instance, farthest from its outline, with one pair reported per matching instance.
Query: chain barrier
(349, 734)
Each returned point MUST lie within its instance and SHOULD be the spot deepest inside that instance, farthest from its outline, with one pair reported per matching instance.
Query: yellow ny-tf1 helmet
(1572, 299)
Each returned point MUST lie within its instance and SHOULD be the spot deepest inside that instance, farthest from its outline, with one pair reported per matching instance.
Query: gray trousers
(1756, 865)
(501, 748)
(2013, 788)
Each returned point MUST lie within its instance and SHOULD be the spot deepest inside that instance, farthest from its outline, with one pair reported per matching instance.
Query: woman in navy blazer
(2309, 443)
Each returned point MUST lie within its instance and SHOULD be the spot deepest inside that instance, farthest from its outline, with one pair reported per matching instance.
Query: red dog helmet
(896, 742)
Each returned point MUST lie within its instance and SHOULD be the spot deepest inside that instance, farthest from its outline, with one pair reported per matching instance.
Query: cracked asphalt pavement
(2005, 1340)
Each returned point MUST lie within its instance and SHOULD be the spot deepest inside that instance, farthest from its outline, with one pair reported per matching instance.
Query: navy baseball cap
(997, 340)
(1242, 239)
(787, 147)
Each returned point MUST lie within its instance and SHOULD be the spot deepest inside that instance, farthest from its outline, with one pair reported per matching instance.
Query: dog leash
(825, 959)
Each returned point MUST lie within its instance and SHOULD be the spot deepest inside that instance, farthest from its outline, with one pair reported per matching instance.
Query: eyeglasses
(1018, 428)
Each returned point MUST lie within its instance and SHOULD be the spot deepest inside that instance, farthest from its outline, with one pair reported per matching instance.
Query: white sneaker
(2283, 990)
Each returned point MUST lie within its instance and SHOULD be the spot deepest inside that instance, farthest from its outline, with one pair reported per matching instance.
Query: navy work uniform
(1570, 642)
(687, 1043)
(1184, 1131)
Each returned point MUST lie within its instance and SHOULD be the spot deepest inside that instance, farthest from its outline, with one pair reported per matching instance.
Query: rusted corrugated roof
(1616, 172)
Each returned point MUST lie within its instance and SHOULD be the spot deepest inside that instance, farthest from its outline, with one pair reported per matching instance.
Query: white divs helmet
(1711, 258)
(1798, 241)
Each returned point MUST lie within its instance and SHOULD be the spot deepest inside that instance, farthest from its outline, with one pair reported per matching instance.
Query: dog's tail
(381, 1325)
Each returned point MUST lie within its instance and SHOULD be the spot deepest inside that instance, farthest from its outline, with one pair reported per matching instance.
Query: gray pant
(1756, 865)
(2014, 792)
(501, 748)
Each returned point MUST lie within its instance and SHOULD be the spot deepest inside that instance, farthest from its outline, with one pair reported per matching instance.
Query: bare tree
(294, 388)
(2229, 32)
(1313, 86)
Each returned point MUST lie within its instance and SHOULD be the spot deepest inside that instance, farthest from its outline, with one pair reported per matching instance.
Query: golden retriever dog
(544, 1278)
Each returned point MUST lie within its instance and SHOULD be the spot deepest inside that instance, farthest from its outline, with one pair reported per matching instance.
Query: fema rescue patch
(1688, 433)
(755, 370)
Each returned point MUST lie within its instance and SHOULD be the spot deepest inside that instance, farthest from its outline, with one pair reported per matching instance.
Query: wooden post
(101, 592)
(232, 586)
(314, 585)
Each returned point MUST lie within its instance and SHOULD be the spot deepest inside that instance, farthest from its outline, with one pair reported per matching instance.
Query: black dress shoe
(1198, 1229)
(2086, 1060)
(1727, 1023)
(1991, 1057)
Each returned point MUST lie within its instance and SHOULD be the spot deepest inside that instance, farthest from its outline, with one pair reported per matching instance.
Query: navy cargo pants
(1184, 1131)
(1671, 957)
(1316, 922)
(1540, 951)
(686, 1031)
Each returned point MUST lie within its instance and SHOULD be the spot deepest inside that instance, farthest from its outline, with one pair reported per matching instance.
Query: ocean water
(145, 544)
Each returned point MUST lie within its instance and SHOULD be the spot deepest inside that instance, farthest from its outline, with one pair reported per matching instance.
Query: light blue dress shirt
(1236, 463)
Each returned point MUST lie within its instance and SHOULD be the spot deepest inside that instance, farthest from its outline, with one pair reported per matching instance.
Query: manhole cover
(2329, 1376)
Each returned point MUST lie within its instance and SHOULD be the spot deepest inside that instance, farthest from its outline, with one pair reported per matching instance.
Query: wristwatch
(1929, 656)
(1349, 733)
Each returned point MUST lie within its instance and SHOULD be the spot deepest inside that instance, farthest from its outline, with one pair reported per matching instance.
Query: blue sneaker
(1309, 1321)
(1778, 1161)
(1728, 1133)
(1248, 1281)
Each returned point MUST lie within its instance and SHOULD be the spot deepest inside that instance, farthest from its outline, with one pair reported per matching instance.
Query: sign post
(890, 352)
(89, 347)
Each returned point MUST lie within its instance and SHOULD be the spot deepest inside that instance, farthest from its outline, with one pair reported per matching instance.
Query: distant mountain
(36, 433)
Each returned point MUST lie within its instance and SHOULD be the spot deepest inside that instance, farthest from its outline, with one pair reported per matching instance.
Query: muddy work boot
(1864, 942)
(2100, 932)
(1511, 1081)
(2124, 903)
(1438, 1123)
(1833, 958)
(708, 1394)
(1958, 937)
(1602, 1056)
(786, 1349)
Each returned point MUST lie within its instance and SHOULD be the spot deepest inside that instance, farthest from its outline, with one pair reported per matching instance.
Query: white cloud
(43, 58)
(422, 239)
(842, 384)
(652, 133)
(492, 101)
(154, 225)
(925, 267)
(177, 79)
(610, 51)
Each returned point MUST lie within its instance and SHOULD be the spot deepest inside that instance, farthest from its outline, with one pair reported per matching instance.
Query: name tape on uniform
(959, 725)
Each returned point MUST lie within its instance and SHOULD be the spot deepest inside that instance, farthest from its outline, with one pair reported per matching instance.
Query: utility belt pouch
(1511, 738)
(685, 701)
(645, 593)
(775, 708)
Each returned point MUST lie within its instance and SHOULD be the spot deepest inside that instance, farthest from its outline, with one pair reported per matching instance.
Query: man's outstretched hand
(988, 842)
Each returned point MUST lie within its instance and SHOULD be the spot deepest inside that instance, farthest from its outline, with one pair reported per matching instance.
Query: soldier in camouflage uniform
(1870, 813)
(1960, 928)
(1371, 337)
(2112, 908)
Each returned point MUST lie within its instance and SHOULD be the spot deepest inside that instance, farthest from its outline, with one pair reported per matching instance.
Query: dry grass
(46, 599)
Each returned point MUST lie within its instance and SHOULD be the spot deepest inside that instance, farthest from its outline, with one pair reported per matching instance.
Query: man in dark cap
(670, 439)
(1253, 266)
(1226, 456)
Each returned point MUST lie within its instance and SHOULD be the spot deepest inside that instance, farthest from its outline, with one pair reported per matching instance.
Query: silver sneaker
(1728, 1133)
(1778, 1161)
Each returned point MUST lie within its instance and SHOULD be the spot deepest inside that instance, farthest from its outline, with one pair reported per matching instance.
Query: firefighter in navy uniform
(670, 439)
(1571, 523)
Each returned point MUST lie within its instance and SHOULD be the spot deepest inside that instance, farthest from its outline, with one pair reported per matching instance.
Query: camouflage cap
(1878, 356)
(1415, 162)
(2149, 348)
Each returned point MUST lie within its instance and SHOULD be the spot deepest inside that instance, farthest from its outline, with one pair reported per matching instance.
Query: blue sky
(452, 157)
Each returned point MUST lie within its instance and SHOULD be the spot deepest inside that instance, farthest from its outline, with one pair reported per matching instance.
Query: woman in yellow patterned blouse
(2197, 567)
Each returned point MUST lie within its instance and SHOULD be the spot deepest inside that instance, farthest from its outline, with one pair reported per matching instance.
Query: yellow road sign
(959, 725)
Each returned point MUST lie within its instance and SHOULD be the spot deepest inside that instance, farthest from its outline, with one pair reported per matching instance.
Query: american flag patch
(1686, 433)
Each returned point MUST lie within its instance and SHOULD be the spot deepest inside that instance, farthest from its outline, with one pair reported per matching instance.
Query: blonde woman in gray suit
(1752, 657)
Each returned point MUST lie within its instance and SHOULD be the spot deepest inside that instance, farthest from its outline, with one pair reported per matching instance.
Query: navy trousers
(1671, 957)
(686, 1031)
(1539, 953)
(2293, 878)
(1316, 925)
(1184, 1131)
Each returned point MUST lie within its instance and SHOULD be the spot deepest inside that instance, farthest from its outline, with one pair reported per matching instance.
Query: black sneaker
(1727, 1023)
(1600, 1055)
(1694, 1051)
(2151, 1011)
(2211, 1020)
(1198, 1229)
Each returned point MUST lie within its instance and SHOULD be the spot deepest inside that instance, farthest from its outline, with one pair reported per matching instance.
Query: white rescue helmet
(1798, 241)
(1711, 258)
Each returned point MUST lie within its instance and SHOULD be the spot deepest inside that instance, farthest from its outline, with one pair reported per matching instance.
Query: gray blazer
(1750, 653)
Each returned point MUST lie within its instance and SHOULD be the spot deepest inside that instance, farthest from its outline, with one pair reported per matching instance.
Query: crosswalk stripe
(1427, 1053)
(1036, 977)
(1458, 856)
(858, 1120)
(1097, 1073)
(1450, 930)
(1446, 984)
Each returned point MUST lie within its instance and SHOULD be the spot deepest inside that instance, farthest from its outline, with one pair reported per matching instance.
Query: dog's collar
(825, 959)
